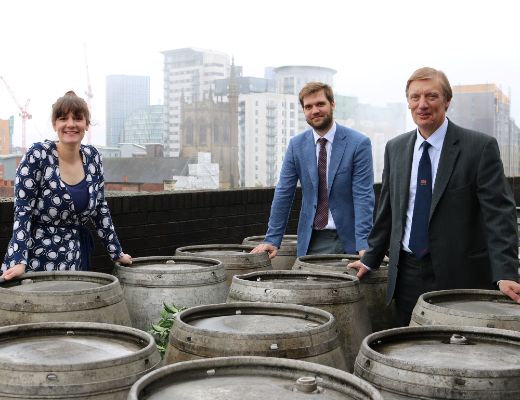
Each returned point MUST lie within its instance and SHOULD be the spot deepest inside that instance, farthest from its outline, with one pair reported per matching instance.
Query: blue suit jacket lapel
(338, 149)
(309, 158)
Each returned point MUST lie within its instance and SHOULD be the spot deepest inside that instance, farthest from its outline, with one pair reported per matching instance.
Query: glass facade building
(124, 95)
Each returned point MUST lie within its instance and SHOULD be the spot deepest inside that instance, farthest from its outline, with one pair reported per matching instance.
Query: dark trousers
(325, 241)
(414, 277)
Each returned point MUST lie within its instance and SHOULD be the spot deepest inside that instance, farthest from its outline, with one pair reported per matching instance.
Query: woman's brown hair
(70, 102)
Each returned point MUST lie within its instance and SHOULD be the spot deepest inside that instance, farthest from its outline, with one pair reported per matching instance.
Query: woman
(58, 189)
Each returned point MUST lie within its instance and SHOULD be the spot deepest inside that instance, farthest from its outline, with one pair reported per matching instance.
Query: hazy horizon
(374, 46)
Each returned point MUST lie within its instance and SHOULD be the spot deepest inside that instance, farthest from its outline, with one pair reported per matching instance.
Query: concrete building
(379, 123)
(10, 164)
(246, 85)
(149, 174)
(267, 121)
(291, 78)
(485, 108)
(189, 76)
(145, 126)
(6, 135)
(202, 174)
(124, 95)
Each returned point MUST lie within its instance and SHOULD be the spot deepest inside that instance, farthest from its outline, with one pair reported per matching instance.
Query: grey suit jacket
(472, 229)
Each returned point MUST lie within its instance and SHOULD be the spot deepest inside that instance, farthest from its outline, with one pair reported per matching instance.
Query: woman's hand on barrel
(125, 259)
(511, 289)
(360, 267)
(13, 272)
(267, 247)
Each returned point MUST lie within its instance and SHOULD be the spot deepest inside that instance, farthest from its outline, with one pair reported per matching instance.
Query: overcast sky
(373, 44)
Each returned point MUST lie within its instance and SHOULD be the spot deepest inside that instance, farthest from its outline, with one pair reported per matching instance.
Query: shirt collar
(329, 135)
(436, 139)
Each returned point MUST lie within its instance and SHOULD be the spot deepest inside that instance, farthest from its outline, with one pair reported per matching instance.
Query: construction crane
(88, 93)
(23, 112)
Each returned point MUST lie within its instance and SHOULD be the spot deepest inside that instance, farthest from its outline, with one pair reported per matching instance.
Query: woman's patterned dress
(47, 232)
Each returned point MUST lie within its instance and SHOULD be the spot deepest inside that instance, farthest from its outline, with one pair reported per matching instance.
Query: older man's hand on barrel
(361, 268)
(267, 247)
(511, 289)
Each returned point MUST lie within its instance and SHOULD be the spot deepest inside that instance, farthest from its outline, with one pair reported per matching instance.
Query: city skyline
(373, 45)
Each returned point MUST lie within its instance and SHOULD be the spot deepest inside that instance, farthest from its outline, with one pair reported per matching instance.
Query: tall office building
(124, 95)
(486, 108)
(189, 76)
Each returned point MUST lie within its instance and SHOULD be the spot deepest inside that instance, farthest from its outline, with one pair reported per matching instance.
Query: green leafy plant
(161, 330)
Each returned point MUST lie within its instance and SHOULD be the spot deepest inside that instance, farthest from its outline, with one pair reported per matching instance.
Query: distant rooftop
(143, 170)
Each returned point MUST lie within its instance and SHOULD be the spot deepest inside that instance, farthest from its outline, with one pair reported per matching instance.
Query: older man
(446, 212)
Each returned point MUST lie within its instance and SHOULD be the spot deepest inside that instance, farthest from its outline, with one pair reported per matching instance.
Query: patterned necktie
(322, 211)
(421, 210)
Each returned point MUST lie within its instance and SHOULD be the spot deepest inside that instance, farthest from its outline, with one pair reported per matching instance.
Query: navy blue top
(79, 194)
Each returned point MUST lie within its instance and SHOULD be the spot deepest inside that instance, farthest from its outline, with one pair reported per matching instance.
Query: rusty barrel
(69, 360)
(373, 285)
(286, 254)
(338, 294)
(470, 307)
(181, 281)
(250, 378)
(63, 296)
(442, 362)
(255, 329)
(236, 258)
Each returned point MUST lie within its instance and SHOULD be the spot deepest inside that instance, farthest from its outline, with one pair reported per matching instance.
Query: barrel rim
(216, 265)
(367, 351)
(284, 244)
(52, 275)
(341, 289)
(353, 257)
(263, 236)
(327, 323)
(340, 279)
(423, 302)
(89, 327)
(223, 245)
(264, 366)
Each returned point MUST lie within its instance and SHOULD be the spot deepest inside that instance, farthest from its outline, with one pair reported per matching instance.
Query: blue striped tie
(418, 243)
